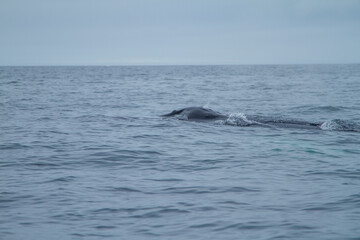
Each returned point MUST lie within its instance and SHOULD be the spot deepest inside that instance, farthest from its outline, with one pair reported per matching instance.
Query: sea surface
(84, 153)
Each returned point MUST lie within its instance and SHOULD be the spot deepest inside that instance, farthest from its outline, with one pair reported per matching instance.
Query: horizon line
(168, 65)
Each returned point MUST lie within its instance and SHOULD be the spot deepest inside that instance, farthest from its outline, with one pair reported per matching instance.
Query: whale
(196, 114)
(199, 114)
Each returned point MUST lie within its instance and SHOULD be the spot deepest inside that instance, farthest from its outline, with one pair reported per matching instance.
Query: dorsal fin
(173, 113)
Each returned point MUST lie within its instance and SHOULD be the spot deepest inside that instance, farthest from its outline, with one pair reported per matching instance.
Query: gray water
(84, 153)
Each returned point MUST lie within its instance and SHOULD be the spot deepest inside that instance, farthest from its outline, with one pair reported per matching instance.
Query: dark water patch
(62, 180)
(124, 189)
(147, 232)
(192, 168)
(58, 132)
(186, 204)
(208, 161)
(313, 151)
(351, 174)
(4, 233)
(161, 213)
(352, 201)
(118, 210)
(246, 226)
(145, 136)
(347, 139)
(9, 165)
(44, 164)
(5, 201)
(147, 162)
(316, 109)
(240, 189)
(26, 223)
(166, 180)
(91, 235)
(205, 190)
(162, 125)
(44, 119)
(133, 153)
(10, 82)
(125, 118)
(351, 151)
(111, 158)
(233, 203)
(13, 146)
(99, 149)
(92, 117)
(105, 227)
(206, 225)
(204, 209)
(347, 203)
(69, 217)
(300, 227)
(124, 158)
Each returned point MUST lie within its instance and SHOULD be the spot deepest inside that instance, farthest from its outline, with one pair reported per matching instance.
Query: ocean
(85, 153)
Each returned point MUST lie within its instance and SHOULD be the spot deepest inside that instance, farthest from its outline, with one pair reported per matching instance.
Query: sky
(179, 32)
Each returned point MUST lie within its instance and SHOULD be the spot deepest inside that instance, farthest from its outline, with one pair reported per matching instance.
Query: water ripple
(203, 190)
(85, 155)
(13, 146)
(349, 203)
(161, 213)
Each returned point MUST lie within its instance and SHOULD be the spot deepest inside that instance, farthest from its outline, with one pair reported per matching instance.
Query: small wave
(165, 180)
(105, 227)
(124, 189)
(12, 146)
(328, 108)
(42, 163)
(205, 225)
(340, 125)
(161, 213)
(325, 108)
(119, 210)
(349, 202)
(246, 226)
(62, 179)
(205, 190)
(351, 174)
(12, 82)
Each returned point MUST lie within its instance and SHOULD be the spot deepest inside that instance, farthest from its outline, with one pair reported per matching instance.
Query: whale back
(202, 114)
(196, 113)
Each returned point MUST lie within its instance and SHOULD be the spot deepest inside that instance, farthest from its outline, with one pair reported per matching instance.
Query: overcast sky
(136, 32)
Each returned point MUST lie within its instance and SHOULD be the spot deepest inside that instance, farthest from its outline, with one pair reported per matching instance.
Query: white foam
(340, 125)
(238, 119)
(207, 105)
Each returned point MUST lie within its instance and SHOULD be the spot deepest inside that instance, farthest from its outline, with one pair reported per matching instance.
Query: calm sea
(84, 153)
